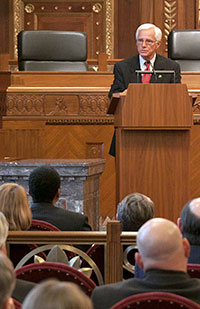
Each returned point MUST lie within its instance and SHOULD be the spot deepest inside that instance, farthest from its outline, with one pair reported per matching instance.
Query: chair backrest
(184, 48)
(193, 270)
(50, 50)
(40, 225)
(96, 253)
(37, 272)
(157, 300)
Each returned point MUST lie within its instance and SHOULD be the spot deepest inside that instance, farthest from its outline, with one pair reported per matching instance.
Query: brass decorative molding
(97, 7)
(19, 9)
(18, 21)
(170, 8)
(29, 8)
(110, 28)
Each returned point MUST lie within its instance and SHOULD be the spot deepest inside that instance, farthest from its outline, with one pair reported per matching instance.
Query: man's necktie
(146, 77)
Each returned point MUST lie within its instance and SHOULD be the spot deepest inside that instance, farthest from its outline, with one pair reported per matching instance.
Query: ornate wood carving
(91, 16)
(94, 104)
(29, 104)
(170, 8)
(94, 150)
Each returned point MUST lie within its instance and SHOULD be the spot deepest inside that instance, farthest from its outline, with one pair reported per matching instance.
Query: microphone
(154, 73)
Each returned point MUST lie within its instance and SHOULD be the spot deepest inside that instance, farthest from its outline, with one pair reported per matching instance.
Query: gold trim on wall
(18, 23)
(18, 16)
(110, 28)
(170, 9)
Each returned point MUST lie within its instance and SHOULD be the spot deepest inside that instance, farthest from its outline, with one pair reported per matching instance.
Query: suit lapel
(135, 65)
(159, 65)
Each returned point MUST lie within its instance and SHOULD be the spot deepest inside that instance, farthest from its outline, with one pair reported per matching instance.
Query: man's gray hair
(3, 229)
(134, 210)
(158, 32)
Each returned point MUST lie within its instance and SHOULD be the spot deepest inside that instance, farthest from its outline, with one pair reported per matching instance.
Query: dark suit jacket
(155, 280)
(124, 74)
(194, 257)
(63, 219)
(22, 288)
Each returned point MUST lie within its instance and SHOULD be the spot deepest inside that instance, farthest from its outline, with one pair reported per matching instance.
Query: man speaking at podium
(148, 40)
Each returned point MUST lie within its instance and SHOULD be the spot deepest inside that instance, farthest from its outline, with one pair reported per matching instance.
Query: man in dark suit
(163, 255)
(148, 40)
(189, 225)
(44, 187)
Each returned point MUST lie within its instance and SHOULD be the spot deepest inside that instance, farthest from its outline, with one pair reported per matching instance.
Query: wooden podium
(153, 123)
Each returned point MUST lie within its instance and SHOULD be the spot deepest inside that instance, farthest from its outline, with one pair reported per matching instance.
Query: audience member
(134, 210)
(52, 294)
(14, 204)
(22, 287)
(163, 255)
(44, 187)
(7, 282)
(189, 225)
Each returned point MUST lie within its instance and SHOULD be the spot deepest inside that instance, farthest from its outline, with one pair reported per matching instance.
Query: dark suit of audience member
(132, 212)
(163, 255)
(189, 224)
(44, 187)
(148, 40)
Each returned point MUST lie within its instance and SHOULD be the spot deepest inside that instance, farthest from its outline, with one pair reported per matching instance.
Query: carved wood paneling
(91, 16)
(166, 14)
(30, 104)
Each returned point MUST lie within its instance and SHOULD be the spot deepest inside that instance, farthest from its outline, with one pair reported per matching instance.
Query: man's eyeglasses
(147, 41)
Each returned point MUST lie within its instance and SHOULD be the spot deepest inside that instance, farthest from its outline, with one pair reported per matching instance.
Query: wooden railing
(113, 240)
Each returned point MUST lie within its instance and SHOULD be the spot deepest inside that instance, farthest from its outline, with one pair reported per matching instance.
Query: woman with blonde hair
(52, 294)
(14, 205)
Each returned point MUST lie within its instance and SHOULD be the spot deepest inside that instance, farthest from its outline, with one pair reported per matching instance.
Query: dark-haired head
(44, 182)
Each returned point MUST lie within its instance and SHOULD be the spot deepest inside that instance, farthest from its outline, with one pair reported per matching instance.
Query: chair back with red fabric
(96, 253)
(40, 271)
(193, 270)
(156, 300)
(40, 225)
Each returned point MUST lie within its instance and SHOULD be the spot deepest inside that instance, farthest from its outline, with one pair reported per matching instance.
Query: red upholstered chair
(40, 271)
(17, 304)
(96, 253)
(193, 270)
(40, 225)
(156, 300)
(17, 252)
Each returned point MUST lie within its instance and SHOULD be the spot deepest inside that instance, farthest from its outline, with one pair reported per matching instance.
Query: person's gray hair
(134, 210)
(3, 229)
(7, 279)
(158, 32)
(57, 294)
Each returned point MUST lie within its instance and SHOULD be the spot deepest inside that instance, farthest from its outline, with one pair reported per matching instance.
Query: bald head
(190, 221)
(195, 206)
(160, 244)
